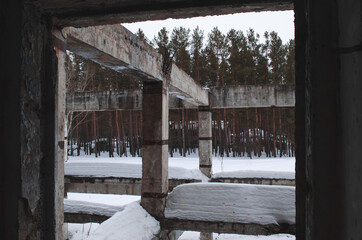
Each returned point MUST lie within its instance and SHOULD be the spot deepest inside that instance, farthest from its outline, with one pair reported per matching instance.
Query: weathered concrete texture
(205, 141)
(115, 47)
(113, 185)
(206, 236)
(350, 48)
(187, 87)
(125, 99)
(84, 218)
(101, 101)
(224, 227)
(263, 181)
(110, 185)
(106, 12)
(155, 148)
(168, 235)
(38, 204)
(61, 140)
(329, 113)
(225, 97)
(252, 96)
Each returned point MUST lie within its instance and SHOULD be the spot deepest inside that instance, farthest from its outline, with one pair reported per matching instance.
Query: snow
(195, 236)
(109, 199)
(183, 167)
(77, 231)
(276, 204)
(73, 206)
(131, 223)
(255, 174)
(103, 168)
(225, 202)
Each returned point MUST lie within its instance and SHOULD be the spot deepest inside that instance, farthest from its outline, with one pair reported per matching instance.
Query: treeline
(232, 59)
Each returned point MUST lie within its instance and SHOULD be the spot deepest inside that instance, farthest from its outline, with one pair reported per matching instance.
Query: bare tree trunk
(183, 132)
(137, 134)
(124, 148)
(118, 135)
(221, 149)
(233, 136)
(95, 134)
(274, 135)
(280, 135)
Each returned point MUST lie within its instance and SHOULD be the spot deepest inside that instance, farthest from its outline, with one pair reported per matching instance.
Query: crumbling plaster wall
(328, 119)
(37, 128)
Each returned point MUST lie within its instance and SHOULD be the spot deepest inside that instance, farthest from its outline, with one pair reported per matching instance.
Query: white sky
(281, 22)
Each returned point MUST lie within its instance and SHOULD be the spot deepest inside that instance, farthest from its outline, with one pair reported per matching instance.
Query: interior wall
(28, 139)
(329, 86)
(10, 62)
(350, 53)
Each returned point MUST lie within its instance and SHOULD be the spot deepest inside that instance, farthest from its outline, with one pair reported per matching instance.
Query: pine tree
(196, 51)
(277, 58)
(289, 71)
(234, 50)
(163, 47)
(216, 53)
(179, 45)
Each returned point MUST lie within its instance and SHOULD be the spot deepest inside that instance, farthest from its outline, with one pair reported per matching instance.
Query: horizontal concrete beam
(101, 101)
(200, 226)
(101, 12)
(84, 218)
(132, 186)
(115, 47)
(227, 227)
(263, 181)
(252, 96)
(189, 90)
(126, 99)
(226, 97)
(112, 185)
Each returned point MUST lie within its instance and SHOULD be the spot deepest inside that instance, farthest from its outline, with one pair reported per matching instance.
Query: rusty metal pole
(205, 141)
(155, 148)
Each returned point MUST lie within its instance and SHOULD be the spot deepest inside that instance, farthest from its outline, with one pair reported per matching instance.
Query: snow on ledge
(225, 202)
(255, 174)
(132, 223)
(74, 206)
(125, 170)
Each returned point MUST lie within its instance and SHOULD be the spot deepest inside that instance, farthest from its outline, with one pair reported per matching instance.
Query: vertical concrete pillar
(206, 236)
(155, 148)
(60, 131)
(205, 141)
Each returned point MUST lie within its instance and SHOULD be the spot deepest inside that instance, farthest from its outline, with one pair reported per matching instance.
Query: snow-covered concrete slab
(255, 174)
(131, 223)
(124, 170)
(74, 206)
(243, 203)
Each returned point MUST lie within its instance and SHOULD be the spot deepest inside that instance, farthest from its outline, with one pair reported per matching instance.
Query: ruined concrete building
(328, 137)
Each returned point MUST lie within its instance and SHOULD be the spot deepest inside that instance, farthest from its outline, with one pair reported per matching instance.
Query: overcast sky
(281, 22)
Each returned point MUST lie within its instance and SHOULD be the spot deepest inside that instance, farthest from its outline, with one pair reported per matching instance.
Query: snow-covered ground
(183, 167)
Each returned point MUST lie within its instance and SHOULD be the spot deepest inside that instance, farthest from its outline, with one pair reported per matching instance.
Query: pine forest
(213, 59)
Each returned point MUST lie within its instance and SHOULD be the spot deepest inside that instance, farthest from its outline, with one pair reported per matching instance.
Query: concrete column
(205, 141)
(206, 236)
(155, 148)
(60, 131)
